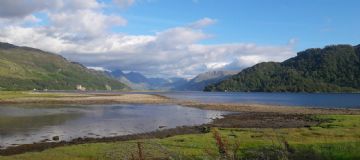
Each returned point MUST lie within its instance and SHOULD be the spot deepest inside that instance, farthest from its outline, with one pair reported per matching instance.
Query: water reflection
(23, 124)
(18, 125)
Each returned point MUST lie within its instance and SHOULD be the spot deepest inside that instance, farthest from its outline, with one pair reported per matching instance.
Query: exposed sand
(78, 98)
(144, 98)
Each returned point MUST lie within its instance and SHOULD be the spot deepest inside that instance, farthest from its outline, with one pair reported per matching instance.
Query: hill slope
(331, 69)
(23, 68)
(199, 82)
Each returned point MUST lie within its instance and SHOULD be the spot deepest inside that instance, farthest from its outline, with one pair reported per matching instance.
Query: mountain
(136, 77)
(116, 73)
(199, 82)
(133, 85)
(168, 83)
(134, 80)
(334, 68)
(137, 81)
(24, 68)
(177, 83)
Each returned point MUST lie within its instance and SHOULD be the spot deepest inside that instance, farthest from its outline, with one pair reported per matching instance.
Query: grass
(13, 94)
(4, 95)
(337, 138)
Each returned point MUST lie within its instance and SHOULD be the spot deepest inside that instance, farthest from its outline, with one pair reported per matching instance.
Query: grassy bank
(5, 95)
(338, 137)
(28, 97)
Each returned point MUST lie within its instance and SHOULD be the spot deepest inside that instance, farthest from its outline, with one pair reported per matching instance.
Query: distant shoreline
(85, 98)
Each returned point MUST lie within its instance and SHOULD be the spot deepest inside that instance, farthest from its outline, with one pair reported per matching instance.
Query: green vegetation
(338, 137)
(332, 69)
(23, 68)
(27, 94)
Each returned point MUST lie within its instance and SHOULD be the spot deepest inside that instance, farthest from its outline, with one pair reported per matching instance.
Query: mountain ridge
(138, 81)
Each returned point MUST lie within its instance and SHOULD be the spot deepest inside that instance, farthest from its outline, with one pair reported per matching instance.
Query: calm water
(324, 100)
(28, 124)
(328, 100)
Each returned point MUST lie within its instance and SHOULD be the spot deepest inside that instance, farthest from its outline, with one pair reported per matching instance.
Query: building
(80, 88)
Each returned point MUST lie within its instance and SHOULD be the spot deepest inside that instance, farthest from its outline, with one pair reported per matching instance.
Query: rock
(205, 129)
(55, 138)
(162, 126)
(45, 140)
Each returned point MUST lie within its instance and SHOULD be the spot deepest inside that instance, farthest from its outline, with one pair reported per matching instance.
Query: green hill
(334, 68)
(23, 68)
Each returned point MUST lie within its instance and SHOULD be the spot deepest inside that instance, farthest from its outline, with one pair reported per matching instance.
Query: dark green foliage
(23, 68)
(332, 69)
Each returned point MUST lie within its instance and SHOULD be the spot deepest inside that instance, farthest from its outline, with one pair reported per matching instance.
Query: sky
(178, 38)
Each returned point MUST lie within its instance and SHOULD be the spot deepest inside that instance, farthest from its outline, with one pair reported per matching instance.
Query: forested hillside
(334, 68)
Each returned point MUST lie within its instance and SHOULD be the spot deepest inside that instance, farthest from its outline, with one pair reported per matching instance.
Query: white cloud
(30, 19)
(73, 5)
(124, 3)
(21, 8)
(79, 30)
(203, 23)
(83, 23)
(293, 41)
(178, 37)
(167, 53)
(98, 68)
(216, 65)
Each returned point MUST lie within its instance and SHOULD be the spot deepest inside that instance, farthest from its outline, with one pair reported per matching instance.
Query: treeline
(334, 68)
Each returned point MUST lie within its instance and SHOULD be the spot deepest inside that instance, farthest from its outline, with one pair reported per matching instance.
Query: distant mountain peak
(138, 81)
(213, 75)
(136, 77)
(203, 79)
(117, 73)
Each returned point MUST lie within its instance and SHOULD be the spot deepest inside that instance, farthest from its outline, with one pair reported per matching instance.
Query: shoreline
(244, 116)
(59, 98)
(235, 120)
